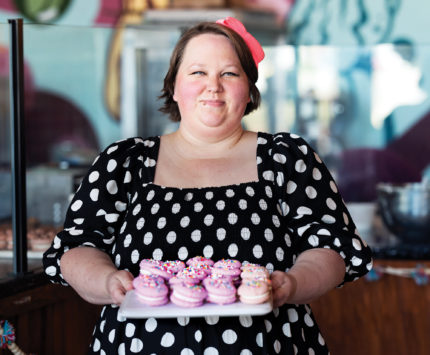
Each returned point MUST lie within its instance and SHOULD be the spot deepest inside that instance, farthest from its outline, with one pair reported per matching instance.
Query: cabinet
(387, 316)
(50, 319)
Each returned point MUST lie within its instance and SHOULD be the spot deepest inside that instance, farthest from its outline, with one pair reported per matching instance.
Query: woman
(213, 189)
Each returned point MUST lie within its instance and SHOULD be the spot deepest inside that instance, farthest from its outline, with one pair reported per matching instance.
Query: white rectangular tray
(132, 307)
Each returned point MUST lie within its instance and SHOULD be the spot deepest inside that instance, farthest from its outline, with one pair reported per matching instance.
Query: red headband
(253, 45)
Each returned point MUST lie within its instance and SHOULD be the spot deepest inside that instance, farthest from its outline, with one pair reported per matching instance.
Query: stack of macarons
(200, 280)
(255, 287)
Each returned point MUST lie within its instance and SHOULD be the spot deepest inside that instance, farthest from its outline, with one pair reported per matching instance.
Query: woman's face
(211, 88)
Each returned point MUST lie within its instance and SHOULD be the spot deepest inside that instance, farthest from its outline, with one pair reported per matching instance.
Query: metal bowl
(405, 210)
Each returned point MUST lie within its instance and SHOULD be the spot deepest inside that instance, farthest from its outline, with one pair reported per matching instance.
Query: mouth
(212, 103)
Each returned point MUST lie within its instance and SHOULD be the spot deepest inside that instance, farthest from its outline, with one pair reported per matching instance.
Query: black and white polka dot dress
(294, 206)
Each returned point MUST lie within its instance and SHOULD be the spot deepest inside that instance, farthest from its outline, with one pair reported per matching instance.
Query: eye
(229, 73)
(197, 72)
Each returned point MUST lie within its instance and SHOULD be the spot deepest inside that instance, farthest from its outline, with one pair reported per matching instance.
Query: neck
(208, 147)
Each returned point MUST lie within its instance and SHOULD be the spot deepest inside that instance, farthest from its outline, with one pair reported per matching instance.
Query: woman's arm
(94, 277)
(315, 272)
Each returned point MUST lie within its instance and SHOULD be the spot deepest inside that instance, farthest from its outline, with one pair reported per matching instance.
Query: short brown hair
(245, 57)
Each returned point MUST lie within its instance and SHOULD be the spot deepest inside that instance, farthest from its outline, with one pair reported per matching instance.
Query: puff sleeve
(309, 199)
(96, 211)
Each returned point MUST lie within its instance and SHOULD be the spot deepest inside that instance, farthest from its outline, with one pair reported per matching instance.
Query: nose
(214, 83)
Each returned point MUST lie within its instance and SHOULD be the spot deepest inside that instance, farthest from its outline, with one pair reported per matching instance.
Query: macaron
(156, 269)
(253, 292)
(174, 266)
(151, 290)
(228, 268)
(199, 260)
(187, 294)
(220, 291)
(255, 272)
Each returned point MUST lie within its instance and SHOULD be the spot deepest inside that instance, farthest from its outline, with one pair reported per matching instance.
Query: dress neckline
(156, 149)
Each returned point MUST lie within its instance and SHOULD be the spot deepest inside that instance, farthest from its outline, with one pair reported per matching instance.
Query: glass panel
(5, 159)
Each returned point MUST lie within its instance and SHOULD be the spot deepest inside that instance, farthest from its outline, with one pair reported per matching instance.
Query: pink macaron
(151, 290)
(188, 294)
(253, 292)
(255, 272)
(199, 260)
(220, 291)
(174, 266)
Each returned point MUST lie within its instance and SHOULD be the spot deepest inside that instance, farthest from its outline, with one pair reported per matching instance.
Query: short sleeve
(96, 210)
(316, 214)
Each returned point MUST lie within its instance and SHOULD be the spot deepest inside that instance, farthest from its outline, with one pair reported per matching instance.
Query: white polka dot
(187, 351)
(121, 349)
(229, 193)
(208, 220)
(268, 325)
(245, 352)
(112, 149)
(277, 346)
(151, 325)
(280, 158)
(127, 240)
(232, 250)
(136, 209)
(140, 223)
(76, 205)
(229, 336)
(331, 204)
(167, 340)
(176, 208)
(155, 208)
(211, 320)
(51, 270)
(208, 251)
(196, 235)
(333, 186)
(292, 315)
(245, 321)
(311, 192)
(185, 221)
(135, 256)
(243, 205)
(268, 175)
(345, 218)
(259, 340)
(112, 187)
(147, 238)
(198, 336)
(263, 204)
(111, 336)
(157, 254)
(210, 351)
(183, 253)
(232, 218)
(356, 261)
(150, 195)
(279, 254)
(268, 234)
(328, 219)
(245, 233)
(250, 191)
(93, 176)
(303, 210)
(96, 345)
(129, 330)
(291, 187)
(171, 237)
(321, 339)
(300, 166)
(209, 195)
(111, 217)
(198, 207)
(257, 251)
(313, 240)
(221, 233)
(286, 330)
(304, 149)
(183, 321)
(127, 177)
(255, 218)
(111, 165)
(308, 320)
(161, 222)
(356, 244)
(188, 196)
(136, 346)
(168, 196)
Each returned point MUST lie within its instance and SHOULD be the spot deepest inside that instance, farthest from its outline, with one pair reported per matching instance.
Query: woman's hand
(117, 284)
(284, 287)
(315, 272)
